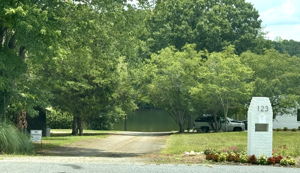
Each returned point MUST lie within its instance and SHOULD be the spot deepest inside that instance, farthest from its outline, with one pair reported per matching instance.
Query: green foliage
(262, 160)
(171, 75)
(287, 161)
(224, 83)
(59, 120)
(275, 76)
(243, 158)
(290, 47)
(210, 24)
(104, 121)
(87, 59)
(12, 141)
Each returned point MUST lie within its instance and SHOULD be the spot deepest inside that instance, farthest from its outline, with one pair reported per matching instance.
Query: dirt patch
(175, 159)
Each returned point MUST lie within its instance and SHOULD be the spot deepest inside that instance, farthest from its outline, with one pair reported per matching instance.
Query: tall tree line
(98, 60)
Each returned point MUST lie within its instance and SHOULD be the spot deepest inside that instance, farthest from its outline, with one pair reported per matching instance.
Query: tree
(90, 75)
(224, 84)
(171, 75)
(276, 76)
(210, 24)
(29, 30)
(290, 47)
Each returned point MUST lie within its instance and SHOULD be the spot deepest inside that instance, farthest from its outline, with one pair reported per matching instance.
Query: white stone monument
(260, 127)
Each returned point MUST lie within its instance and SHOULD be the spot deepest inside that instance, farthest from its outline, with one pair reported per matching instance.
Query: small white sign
(36, 135)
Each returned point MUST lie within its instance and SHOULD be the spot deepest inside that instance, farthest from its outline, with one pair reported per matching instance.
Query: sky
(280, 18)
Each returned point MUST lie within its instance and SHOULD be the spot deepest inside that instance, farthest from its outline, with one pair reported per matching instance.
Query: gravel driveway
(122, 144)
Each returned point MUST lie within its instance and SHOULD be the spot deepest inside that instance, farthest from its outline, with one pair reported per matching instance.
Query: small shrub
(278, 159)
(252, 159)
(243, 158)
(209, 151)
(278, 129)
(271, 161)
(215, 157)
(299, 128)
(237, 158)
(287, 161)
(285, 129)
(294, 130)
(209, 157)
(13, 141)
(262, 160)
(291, 161)
(222, 157)
(230, 157)
(233, 157)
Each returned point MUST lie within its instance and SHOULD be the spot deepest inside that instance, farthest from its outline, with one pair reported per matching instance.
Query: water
(148, 121)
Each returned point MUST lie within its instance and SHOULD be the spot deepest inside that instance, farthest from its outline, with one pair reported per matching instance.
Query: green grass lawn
(284, 142)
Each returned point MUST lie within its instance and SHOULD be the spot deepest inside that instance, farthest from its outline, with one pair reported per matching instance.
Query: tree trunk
(190, 122)
(79, 124)
(22, 121)
(125, 123)
(181, 129)
(74, 126)
(22, 52)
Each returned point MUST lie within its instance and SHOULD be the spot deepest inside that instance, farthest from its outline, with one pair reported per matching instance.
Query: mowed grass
(284, 142)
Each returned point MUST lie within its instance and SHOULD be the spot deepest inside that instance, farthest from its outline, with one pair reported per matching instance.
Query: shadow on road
(85, 152)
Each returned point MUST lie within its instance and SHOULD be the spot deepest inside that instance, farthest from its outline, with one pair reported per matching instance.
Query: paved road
(25, 167)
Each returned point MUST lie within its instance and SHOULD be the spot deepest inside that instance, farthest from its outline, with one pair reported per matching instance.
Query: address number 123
(263, 108)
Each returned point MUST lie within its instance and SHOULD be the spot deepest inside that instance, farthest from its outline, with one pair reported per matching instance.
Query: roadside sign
(36, 135)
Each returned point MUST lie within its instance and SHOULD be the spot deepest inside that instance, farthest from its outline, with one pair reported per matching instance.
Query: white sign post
(36, 135)
(260, 127)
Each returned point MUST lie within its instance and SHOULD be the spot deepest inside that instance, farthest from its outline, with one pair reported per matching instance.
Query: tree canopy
(210, 24)
(98, 60)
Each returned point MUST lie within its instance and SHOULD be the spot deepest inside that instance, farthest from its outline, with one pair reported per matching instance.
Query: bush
(233, 157)
(287, 161)
(209, 151)
(243, 158)
(285, 129)
(215, 157)
(262, 160)
(278, 159)
(59, 120)
(271, 161)
(222, 157)
(12, 141)
(252, 159)
(294, 130)
(209, 156)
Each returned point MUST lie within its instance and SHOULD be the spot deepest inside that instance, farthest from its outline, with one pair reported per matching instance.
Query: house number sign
(263, 108)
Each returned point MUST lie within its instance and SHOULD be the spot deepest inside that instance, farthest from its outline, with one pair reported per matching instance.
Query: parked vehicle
(246, 124)
(206, 124)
